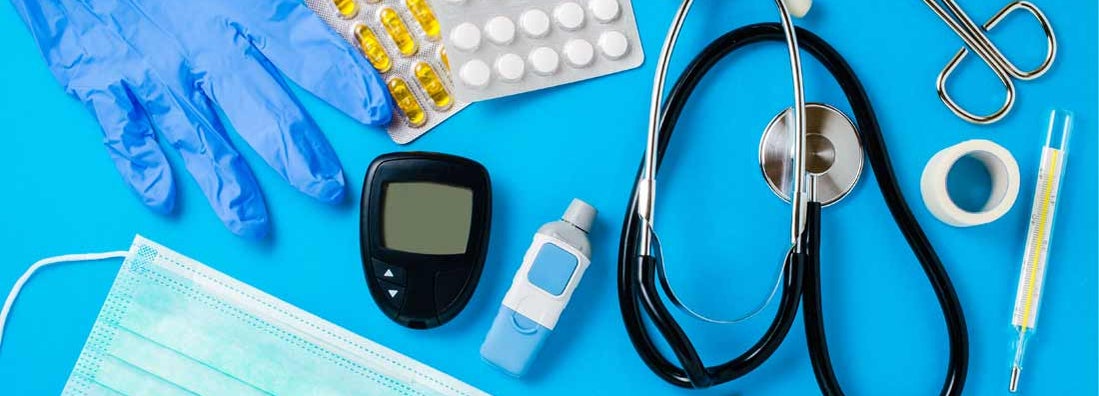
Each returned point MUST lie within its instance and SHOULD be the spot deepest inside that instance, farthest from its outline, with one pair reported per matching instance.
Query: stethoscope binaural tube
(640, 300)
(637, 273)
(647, 178)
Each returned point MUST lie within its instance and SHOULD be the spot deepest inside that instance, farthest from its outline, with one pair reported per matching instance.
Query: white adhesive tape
(1001, 166)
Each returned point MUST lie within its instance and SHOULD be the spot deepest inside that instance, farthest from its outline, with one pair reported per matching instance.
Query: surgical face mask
(172, 326)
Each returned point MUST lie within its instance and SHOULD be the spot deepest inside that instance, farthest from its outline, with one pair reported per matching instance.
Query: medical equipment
(402, 40)
(829, 132)
(173, 326)
(424, 234)
(1032, 275)
(641, 265)
(977, 41)
(502, 48)
(543, 286)
(130, 73)
(1001, 166)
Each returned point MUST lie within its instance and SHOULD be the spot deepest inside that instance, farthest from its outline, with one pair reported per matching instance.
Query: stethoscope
(810, 169)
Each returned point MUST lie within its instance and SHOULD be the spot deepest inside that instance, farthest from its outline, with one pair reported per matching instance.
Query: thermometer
(1039, 233)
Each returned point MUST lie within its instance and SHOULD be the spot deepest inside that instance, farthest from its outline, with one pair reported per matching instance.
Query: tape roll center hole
(970, 183)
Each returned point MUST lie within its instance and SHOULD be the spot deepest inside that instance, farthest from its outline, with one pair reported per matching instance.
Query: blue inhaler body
(551, 270)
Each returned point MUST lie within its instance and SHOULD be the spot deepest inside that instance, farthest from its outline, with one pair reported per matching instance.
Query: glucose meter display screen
(426, 218)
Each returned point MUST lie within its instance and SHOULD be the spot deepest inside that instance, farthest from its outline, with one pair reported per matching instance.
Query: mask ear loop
(44, 263)
(662, 273)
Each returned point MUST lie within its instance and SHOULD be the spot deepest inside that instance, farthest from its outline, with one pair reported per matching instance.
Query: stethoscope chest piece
(833, 151)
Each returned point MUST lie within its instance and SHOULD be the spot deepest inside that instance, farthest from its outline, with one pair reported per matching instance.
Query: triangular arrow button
(388, 273)
(392, 293)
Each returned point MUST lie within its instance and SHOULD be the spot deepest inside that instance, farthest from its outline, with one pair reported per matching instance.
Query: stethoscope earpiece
(798, 8)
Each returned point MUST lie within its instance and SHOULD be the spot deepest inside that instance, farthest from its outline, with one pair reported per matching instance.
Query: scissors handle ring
(1047, 30)
(944, 95)
(1004, 69)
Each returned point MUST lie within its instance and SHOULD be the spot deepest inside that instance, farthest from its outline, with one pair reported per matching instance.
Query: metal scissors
(977, 41)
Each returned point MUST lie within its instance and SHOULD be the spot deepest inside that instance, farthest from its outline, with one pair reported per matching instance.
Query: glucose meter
(423, 235)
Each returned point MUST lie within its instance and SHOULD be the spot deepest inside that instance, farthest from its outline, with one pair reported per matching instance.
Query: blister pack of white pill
(500, 48)
(403, 41)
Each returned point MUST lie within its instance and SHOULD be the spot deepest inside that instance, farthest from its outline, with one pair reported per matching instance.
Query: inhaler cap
(580, 214)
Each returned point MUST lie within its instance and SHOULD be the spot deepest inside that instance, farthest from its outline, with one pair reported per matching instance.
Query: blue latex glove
(137, 76)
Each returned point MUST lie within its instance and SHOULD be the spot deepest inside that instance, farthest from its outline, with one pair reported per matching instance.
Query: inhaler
(552, 267)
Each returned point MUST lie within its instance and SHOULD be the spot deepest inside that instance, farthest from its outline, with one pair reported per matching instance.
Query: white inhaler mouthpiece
(551, 270)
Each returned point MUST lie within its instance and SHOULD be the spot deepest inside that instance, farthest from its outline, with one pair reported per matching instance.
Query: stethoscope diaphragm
(833, 153)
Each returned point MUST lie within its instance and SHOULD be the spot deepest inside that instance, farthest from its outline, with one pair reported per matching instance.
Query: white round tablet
(544, 60)
(604, 10)
(500, 30)
(474, 73)
(466, 37)
(569, 15)
(510, 67)
(535, 23)
(579, 52)
(614, 44)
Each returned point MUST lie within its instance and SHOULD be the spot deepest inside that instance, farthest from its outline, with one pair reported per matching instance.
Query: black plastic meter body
(424, 234)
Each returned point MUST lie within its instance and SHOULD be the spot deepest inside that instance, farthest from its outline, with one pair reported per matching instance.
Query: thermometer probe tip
(1014, 386)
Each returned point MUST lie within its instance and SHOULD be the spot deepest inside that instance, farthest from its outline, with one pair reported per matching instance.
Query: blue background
(723, 230)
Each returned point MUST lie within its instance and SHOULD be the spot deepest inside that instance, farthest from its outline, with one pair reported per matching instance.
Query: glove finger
(132, 144)
(312, 55)
(127, 133)
(190, 125)
(184, 117)
(266, 114)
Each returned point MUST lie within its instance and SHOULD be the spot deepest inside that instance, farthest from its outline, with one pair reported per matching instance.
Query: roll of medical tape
(1001, 166)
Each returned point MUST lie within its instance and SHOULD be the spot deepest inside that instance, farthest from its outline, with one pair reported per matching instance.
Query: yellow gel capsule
(422, 12)
(443, 58)
(433, 85)
(398, 31)
(407, 102)
(347, 8)
(372, 48)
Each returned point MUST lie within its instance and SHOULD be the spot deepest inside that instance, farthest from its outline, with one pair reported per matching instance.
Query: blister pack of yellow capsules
(403, 41)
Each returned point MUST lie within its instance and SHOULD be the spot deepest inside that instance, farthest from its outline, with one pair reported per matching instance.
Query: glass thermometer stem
(1039, 233)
